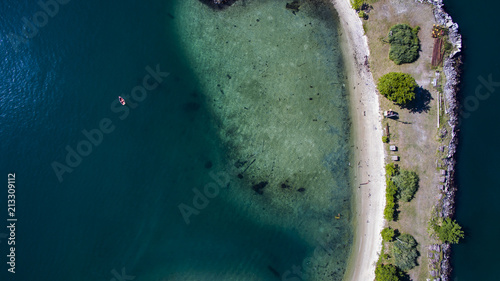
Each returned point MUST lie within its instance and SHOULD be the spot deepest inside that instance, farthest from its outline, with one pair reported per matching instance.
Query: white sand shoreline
(369, 152)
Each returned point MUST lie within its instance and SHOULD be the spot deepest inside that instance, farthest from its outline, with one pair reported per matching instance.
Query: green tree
(387, 272)
(405, 44)
(388, 234)
(397, 87)
(449, 231)
(407, 183)
(405, 252)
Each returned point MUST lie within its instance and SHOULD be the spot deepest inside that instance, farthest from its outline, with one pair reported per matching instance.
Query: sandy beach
(369, 152)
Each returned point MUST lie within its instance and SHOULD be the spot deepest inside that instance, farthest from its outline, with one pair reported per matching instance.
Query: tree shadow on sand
(422, 101)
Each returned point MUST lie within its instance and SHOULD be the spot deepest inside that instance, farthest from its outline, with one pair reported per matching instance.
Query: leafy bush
(449, 231)
(385, 139)
(390, 199)
(407, 183)
(391, 170)
(391, 191)
(447, 46)
(397, 87)
(387, 272)
(357, 4)
(388, 234)
(390, 210)
(405, 252)
(404, 43)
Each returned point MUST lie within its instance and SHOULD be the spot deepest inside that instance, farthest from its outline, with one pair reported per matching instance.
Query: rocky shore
(440, 269)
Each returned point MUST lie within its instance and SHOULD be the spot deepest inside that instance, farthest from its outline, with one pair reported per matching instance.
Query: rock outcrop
(219, 4)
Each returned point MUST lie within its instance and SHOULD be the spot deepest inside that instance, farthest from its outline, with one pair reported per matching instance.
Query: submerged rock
(259, 187)
(218, 3)
(294, 6)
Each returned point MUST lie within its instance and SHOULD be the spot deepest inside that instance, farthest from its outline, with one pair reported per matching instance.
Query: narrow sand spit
(369, 153)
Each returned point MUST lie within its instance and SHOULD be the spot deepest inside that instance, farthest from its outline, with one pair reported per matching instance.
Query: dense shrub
(405, 44)
(404, 251)
(449, 231)
(357, 4)
(448, 47)
(397, 87)
(385, 139)
(387, 272)
(391, 170)
(388, 234)
(391, 191)
(407, 183)
(390, 210)
(390, 199)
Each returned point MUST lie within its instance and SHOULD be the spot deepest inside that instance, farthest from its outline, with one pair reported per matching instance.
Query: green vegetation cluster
(388, 272)
(405, 252)
(405, 44)
(363, 15)
(390, 192)
(407, 183)
(400, 184)
(397, 87)
(403, 256)
(388, 234)
(448, 47)
(447, 230)
(357, 4)
(361, 7)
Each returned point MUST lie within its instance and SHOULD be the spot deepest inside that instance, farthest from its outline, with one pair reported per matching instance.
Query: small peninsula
(419, 42)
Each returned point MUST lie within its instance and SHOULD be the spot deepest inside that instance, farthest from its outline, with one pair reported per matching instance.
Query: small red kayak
(122, 101)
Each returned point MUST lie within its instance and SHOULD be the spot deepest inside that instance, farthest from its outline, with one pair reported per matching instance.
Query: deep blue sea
(98, 185)
(476, 258)
(118, 209)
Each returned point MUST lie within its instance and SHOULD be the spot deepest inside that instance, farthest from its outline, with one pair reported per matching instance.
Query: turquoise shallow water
(274, 82)
(119, 208)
